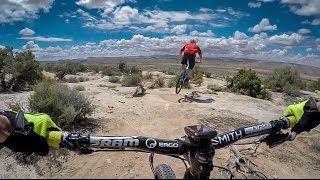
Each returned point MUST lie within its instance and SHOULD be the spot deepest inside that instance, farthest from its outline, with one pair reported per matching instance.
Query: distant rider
(189, 51)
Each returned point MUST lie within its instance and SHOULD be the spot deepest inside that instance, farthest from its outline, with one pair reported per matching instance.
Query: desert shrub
(172, 82)
(158, 83)
(114, 79)
(135, 70)
(19, 71)
(122, 67)
(282, 76)
(79, 88)
(198, 77)
(62, 104)
(110, 71)
(60, 74)
(148, 76)
(312, 85)
(208, 74)
(169, 71)
(132, 80)
(291, 90)
(247, 82)
(94, 68)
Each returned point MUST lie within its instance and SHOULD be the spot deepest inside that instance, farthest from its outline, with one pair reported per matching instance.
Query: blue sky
(277, 30)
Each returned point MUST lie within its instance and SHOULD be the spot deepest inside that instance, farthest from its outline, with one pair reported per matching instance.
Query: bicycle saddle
(200, 132)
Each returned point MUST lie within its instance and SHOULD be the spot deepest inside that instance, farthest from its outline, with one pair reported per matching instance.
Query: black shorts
(189, 57)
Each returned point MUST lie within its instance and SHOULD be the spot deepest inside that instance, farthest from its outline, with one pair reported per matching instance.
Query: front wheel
(179, 84)
(164, 171)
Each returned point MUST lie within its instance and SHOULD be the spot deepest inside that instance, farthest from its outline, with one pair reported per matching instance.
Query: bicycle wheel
(179, 83)
(164, 171)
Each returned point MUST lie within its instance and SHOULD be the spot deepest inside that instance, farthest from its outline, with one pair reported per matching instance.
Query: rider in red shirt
(189, 51)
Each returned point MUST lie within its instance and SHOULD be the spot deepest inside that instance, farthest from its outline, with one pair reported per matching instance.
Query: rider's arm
(181, 50)
(200, 53)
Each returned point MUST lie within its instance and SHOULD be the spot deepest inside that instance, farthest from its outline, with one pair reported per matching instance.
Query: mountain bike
(197, 147)
(182, 78)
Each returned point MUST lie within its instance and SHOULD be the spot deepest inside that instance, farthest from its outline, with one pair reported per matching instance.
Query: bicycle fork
(201, 163)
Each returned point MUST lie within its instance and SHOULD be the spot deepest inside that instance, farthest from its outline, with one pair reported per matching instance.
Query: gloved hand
(23, 138)
(303, 116)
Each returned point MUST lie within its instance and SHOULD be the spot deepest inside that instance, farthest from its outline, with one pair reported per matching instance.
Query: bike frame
(199, 154)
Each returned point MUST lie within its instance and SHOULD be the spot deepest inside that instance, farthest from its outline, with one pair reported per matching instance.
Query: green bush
(208, 74)
(62, 104)
(169, 71)
(131, 80)
(122, 67)
(291, 90)
(172, 82)
(312, 85)
(114, 79)
(282, 76)
(79, 88)
(198, 77)
(19, 71)
(158, 83)
(110, 71)
(247, 82)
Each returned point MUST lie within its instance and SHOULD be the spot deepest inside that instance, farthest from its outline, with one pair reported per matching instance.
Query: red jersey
(191, 48)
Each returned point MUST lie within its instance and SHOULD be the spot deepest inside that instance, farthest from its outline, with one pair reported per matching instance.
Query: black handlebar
(198, 146)
(174, 147)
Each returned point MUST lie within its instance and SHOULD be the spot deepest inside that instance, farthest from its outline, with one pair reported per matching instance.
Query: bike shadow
(193, 98)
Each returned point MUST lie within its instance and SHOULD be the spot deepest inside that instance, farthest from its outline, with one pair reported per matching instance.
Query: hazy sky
(279, 30)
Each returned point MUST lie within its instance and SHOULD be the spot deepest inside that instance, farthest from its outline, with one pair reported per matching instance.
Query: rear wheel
(164, 171)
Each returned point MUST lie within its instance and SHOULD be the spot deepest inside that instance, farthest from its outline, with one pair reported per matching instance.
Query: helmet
(192, 41)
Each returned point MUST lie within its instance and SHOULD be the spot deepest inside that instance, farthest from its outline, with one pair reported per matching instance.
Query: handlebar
(173, 147)
(197, 146)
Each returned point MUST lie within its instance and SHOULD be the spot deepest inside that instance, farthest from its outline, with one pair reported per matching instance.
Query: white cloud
(303, 7)
(124, 15)
(31, 46)
(209, 33)
(309, 49)
(286, 40)
(254, 5)
(266, 1)
(107, 6)
(303, 31)
(316, 22)
(26, 32)
(258, 46)
(51, 49)
(264, 25)
(46, 39)
(179, 29)
(240, 35)
(155, 20)
(18, 10)
(86, 15)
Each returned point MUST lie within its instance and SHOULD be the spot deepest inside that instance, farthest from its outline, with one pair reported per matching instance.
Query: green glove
(31, 133)
(303, 116)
